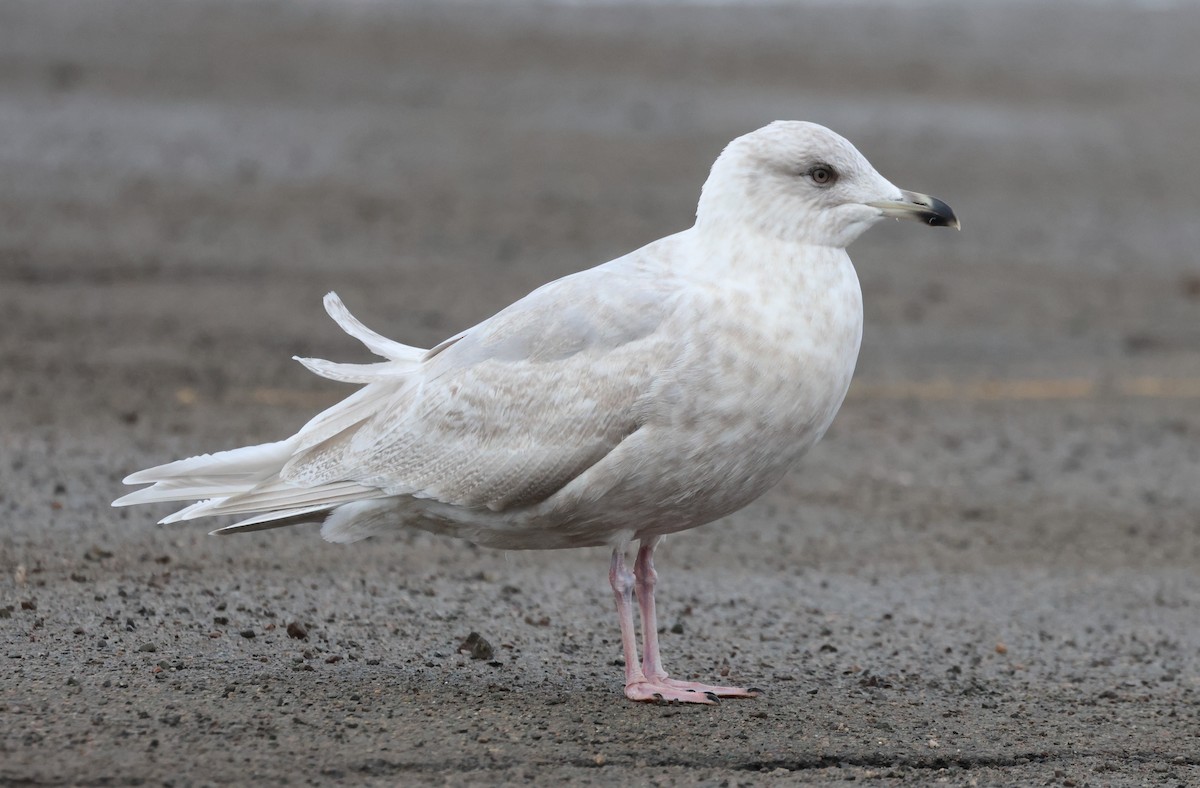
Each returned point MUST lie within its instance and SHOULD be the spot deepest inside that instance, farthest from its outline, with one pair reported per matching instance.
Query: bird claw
(666, 690)
(719, 692)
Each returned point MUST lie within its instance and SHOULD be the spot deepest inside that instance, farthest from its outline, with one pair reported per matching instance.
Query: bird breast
(766, 367)
(761, 361)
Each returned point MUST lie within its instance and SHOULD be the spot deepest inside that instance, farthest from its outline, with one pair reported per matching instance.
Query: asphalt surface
(984, 575)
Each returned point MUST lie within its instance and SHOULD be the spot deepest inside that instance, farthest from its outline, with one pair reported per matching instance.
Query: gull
(649, 395)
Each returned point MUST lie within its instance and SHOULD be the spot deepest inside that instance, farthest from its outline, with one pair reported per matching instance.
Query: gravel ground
(985, 575)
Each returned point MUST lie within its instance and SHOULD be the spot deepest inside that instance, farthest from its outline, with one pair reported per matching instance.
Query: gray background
(986, 573)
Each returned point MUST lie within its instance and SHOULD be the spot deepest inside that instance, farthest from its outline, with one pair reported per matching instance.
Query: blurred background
(1010, 497)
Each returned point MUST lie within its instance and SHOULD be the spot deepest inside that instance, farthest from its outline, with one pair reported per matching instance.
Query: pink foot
(648, 681)
(666, 689)
(722, 692)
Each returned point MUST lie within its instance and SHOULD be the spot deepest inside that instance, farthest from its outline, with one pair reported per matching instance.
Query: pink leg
(649, 681)
(645, 581)
(622, 585)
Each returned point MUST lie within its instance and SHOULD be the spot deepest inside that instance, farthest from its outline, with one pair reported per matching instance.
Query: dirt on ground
(984, 575)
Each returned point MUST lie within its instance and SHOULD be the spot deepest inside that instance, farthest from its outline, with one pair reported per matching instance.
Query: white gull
(652, 394)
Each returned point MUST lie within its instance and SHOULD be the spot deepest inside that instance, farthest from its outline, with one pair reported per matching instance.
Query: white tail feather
(234, 465)
(277, 498)
(188, 512)
(376, 343)
(355, 373)
(247, 480)
(180, 490)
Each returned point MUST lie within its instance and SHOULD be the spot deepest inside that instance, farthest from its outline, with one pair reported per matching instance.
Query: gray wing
(510, 411)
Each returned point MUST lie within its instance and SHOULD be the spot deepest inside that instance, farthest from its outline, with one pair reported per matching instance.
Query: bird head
(801, 182)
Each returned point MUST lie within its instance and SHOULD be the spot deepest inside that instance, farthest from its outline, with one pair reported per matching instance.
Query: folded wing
(500, 416)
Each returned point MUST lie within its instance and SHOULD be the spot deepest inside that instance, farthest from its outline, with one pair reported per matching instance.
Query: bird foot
(666, 689)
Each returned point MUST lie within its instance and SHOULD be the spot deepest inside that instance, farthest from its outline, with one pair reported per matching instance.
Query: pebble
(478, 648)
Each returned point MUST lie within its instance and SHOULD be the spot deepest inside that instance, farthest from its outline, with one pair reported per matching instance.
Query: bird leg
(645, 579)
(647, 680)
(622, 585)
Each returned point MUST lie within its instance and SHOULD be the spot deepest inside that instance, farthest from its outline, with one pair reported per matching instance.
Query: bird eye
(822, 175)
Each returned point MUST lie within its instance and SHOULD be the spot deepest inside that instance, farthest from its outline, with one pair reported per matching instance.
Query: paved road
(986, 574)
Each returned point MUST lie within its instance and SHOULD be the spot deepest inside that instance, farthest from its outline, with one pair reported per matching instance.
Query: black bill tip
(938, 214)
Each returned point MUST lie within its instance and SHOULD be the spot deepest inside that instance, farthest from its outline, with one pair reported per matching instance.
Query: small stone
(249, 634)
(297, 631)
(148, 648)
(477, 647)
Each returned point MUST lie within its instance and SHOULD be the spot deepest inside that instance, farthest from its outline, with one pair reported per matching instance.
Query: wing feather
(512, 409)
(502, 415)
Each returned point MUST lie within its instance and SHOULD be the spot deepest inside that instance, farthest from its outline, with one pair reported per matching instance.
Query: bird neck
(741, 248)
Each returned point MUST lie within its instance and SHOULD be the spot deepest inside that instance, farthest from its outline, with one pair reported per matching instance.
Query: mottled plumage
(648, 395)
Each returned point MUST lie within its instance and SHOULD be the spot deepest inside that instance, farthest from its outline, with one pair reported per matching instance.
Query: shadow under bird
(649, 395)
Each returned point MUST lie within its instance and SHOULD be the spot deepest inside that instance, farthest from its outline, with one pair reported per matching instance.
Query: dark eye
(822, 175)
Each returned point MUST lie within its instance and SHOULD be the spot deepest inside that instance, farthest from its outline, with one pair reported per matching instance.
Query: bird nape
(648, 395)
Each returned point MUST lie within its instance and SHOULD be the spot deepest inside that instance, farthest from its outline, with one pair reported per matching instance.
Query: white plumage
(645, 396)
